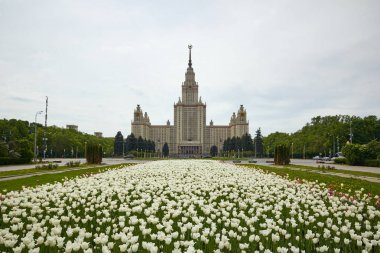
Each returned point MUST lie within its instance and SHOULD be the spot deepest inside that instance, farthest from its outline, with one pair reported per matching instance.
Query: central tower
(190, 86)
(189, 136)
(190, 116)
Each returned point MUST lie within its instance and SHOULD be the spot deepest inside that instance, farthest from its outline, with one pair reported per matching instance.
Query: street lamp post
(35, 135)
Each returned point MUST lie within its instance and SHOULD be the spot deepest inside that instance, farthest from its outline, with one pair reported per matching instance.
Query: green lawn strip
(33, 170)
(341, 184)
(350, 172)
(17, 184)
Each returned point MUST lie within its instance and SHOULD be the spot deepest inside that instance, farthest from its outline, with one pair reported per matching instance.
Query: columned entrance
(190, 150)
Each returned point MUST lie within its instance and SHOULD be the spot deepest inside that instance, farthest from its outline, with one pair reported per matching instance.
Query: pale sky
(285, 61)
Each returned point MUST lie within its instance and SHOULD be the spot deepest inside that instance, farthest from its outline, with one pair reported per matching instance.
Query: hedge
(372, 163)
(340, 160)
(10, 161)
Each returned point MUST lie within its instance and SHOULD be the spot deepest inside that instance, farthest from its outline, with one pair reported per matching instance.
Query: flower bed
(186, 206)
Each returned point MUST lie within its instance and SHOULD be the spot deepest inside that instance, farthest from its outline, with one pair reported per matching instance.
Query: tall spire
(190, 47)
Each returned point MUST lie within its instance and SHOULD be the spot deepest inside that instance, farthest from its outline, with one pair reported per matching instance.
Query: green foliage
(258, 144)
(214, 151)
(372, 163)
(9, 161)
(4, 149)
(73, 164)
(326, 167)
(356, 154)
(118, 145)
(326, 135)
(275, 139)
(24, 148)
(281, 155)
(340, 160)
(138, 144)
(165, 150)
(373, 149)
(238, 143)
(94, 153)
(19, 136)
(49, 166)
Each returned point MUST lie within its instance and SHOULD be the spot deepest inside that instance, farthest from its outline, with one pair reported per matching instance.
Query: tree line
(131, 144)
(17, 141)
(325, 136)
(245, 145)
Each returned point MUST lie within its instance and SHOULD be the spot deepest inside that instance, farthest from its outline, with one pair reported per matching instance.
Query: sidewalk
(13, 177)
(332, 173)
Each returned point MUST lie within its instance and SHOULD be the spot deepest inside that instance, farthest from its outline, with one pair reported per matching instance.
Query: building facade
(189, 135)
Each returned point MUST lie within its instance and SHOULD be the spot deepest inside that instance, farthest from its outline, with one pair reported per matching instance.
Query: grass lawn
(350, 172)
(17, 184)
(347, 185)
(33, 170)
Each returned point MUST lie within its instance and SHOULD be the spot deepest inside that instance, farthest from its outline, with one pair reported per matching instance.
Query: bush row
(10, 161)
(48, 166)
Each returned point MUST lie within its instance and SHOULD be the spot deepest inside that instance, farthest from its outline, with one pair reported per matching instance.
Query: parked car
(317, 157)
(326, 158)
(129, 156)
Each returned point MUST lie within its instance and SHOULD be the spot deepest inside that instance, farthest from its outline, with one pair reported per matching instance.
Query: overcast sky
(285, 61)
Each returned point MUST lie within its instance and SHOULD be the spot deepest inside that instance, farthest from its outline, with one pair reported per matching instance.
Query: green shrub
(281, 155)
(373, 149)
(356, 154)
(328, 167)
(94, 153)
(73, 164)
(372, 163)
(11, 161)
(48, 166)
(340, 160)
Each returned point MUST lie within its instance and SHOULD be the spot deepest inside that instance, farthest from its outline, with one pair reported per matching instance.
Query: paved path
(333, 173)
(313, 163)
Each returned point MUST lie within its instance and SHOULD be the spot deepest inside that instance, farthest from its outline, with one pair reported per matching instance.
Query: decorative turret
(140, 117)
(240, 117)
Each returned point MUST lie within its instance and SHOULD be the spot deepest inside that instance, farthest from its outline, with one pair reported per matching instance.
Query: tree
(246, 142)
(4, 149)
(94, 153)
(281, 155)
(214, 151)
(118, 144)
(165, 150)
(373, 149)
(227, 145)
(130, 143)
(258, 144)
(24, 148)
(356, 154)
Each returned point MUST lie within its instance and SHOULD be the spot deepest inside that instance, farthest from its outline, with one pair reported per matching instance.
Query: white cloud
(285, 61)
